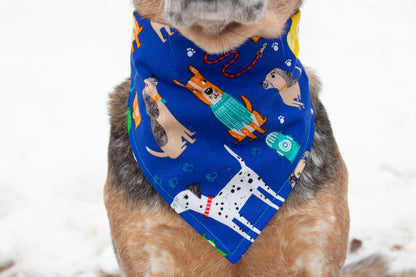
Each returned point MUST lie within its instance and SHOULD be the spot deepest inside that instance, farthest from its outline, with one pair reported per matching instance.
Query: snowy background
(60, 59)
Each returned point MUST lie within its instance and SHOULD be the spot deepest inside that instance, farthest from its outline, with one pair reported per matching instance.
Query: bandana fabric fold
(222, 138)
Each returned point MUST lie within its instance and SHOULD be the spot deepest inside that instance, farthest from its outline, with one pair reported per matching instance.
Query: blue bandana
(222, 138)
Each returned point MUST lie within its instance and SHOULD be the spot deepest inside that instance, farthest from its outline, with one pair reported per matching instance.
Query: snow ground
(60, 59)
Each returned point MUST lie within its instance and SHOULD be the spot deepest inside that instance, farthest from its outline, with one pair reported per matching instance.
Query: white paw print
(281, 119)
(190, 52)
(288, 62)
(275, 46)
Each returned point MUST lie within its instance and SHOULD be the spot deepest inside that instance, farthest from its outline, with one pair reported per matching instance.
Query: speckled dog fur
(307, 237)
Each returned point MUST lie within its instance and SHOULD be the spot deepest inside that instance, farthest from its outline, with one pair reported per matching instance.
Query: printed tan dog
(287, 86)
(158, 27)
(223, 106)
(308, 236)
(167, 131)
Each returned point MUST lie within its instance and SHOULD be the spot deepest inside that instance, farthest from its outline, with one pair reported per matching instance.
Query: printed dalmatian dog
(227, 204)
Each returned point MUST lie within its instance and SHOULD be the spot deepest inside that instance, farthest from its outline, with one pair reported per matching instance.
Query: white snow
(60, 59)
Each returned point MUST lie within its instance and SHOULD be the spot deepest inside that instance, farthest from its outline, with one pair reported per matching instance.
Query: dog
(287, 86)
(308, 236)
(166, 129)
(224, 106)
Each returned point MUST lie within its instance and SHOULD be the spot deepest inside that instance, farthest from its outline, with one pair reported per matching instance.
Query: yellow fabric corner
(292, 36)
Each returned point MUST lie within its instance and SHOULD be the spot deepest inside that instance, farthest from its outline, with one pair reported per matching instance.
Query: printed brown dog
(287, 86)
(158, 27)
(210, 94)
(308, 236)
(167, 130)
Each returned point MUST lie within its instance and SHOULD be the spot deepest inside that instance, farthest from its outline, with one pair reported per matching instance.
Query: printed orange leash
(236, 54)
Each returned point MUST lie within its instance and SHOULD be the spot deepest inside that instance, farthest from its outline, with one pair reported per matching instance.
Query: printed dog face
(274, 80)
(220, 25)
(206, 91)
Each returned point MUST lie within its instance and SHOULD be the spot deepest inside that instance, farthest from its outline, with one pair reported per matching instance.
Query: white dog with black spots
(226, 205)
